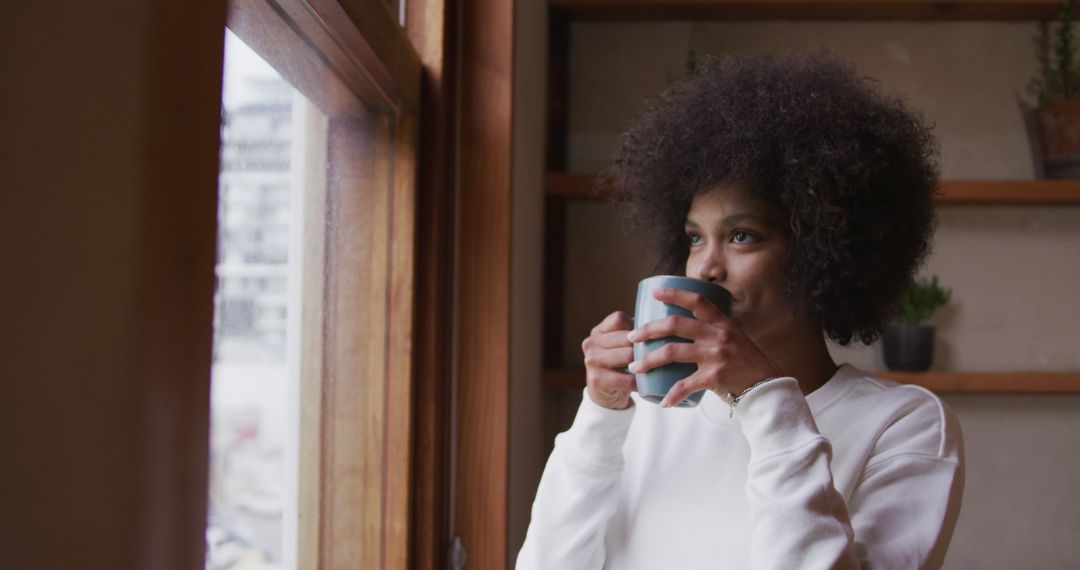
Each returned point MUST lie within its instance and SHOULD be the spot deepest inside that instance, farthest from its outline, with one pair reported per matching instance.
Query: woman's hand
(727, 360)
(607, 351)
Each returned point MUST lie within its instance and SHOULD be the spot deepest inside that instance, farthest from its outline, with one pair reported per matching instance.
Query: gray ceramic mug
(653, 385)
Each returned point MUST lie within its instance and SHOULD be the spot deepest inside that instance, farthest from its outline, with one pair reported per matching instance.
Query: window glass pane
(266, 132)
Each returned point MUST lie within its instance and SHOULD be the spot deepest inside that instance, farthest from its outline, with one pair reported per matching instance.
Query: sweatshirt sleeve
(578, 492)
(900, 515)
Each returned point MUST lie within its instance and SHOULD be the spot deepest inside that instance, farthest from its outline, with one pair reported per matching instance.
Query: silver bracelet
(733, 400)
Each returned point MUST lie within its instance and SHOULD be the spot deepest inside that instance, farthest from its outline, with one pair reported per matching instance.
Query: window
(271, 135)
(312, 365)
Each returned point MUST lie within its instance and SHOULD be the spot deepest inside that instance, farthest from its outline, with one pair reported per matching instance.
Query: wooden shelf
(919, 10)
(954, 192)
(991, 382)
(564, 378)
(941, 382)
(575, 186)
(1019, 192)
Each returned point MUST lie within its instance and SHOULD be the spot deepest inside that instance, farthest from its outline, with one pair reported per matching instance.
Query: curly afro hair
(852, 172)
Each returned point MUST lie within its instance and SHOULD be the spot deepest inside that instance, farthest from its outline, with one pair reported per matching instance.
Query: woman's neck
(801, 352)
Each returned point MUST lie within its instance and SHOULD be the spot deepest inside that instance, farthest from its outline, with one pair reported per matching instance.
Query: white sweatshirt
(861, 473)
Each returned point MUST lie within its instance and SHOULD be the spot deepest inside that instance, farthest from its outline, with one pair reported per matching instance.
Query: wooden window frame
(458, 240)
(355, 63)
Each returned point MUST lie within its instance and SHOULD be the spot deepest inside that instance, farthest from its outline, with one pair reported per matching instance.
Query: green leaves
(921, 299)
(1065, 50)
(1060, 78)
(691, 63)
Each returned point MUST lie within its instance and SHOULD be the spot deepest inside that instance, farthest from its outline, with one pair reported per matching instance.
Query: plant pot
(1059, 134)
(909, 348)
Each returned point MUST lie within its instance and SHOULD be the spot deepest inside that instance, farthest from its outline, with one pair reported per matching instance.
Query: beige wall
(1021, 507)
(67, 227)
(108, 148)
(1015, 271)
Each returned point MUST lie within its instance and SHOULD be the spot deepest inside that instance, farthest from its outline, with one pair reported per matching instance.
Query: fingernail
(633, 336)
(635, 367)
(664, 403)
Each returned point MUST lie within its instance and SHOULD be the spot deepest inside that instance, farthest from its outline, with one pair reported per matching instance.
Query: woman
(794, 184)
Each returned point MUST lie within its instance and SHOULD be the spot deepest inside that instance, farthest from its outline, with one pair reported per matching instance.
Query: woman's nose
(712, 267)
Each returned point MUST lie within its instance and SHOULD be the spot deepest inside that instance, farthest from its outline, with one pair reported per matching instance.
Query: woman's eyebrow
(736, 218)
(728, 220)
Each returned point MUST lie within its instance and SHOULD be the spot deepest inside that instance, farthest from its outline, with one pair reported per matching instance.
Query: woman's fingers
(614, 339)
(610, 381)
(676, 325)
(618, 320)
(702, 308)
(670, 352)
(606, 352)
(603, 339)
(609, 358)
(682, 389)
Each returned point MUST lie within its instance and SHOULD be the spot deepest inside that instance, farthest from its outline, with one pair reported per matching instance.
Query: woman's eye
(694, 239)
(739, 236)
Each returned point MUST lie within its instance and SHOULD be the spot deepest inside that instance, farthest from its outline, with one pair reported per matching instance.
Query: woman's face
(737, 243)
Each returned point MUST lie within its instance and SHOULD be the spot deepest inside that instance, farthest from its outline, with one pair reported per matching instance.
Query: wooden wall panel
(483, 326)
(427, 25)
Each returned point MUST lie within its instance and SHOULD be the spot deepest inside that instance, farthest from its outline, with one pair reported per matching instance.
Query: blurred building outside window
(254, 379)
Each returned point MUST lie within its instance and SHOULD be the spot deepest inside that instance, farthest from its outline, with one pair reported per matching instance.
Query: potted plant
(1057, 89)
(909, 344)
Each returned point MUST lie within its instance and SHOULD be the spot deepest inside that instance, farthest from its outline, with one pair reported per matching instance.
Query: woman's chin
(741, 318)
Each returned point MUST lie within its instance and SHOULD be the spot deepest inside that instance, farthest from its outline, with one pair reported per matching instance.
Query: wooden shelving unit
(941, 382)
(956, 10)
(953, 192)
